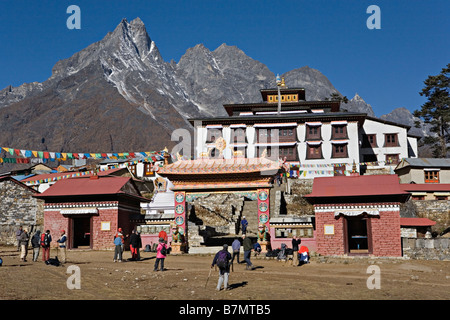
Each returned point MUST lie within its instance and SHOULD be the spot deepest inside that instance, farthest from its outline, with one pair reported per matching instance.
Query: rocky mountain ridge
(119, 94)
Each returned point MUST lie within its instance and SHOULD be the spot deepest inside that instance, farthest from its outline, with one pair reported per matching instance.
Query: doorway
(358, 240)
(81, 231)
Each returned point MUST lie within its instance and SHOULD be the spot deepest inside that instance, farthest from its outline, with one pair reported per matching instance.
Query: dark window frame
(339, 153)
(391, 140)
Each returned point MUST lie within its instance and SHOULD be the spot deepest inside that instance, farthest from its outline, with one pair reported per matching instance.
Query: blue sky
(386, 67)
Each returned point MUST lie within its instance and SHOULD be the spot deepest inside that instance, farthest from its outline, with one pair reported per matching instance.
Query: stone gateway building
(18, 208)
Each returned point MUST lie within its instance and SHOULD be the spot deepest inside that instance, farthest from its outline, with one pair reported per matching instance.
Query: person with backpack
(36, 244)
(222, 260)
(62, 246)
(161, 252)
(46, 239)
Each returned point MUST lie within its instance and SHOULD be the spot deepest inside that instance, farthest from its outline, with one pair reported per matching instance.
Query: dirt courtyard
(185, 278)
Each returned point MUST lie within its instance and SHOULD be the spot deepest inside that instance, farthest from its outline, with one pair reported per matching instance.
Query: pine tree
(436, 111)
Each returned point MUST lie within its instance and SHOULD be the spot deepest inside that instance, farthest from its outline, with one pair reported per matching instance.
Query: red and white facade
(358, 215)
(91, 210)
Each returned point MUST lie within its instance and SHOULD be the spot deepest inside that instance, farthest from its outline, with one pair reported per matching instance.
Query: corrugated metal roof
(429, 162)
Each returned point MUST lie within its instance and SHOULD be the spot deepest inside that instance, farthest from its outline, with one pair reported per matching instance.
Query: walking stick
(210, 269)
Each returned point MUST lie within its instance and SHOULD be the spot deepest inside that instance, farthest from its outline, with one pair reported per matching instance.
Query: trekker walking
(36, 244)
(222, 260)
(244, 224)
(23, 240)
(62, 246)
(161, 252)
(236, 246)
(248, 246)
(46, 239)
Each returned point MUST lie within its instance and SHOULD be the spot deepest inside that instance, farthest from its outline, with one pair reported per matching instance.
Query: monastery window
(391, 140)
(392, 159)
(369, 141)
(313, 132)
(239, 136)
(132, 169)
(431, 176)
(413, 197)
(264, 135)
(441, 198)
(339, 132)
(339, 151)
(213, 134)
(314, 151)
(289, 152)
(148, 171)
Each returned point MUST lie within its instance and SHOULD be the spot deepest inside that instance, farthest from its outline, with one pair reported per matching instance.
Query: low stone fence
(426, 249)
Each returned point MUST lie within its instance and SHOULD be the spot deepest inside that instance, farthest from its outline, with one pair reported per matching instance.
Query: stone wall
(221, 211)
(427, 249)
(17, 208)
(435, 210)
(295, 204)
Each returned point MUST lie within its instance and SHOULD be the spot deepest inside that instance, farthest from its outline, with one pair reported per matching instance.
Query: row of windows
(312, 152)
(370, 140)
(312, 133)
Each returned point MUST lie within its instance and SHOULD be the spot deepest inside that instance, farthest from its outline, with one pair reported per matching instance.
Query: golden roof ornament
(220, 144)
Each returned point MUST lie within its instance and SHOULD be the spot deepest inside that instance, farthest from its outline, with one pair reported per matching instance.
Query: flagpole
(279, 94)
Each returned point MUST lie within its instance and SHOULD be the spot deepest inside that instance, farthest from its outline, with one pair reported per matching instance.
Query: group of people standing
(39, 241)
(136, 245)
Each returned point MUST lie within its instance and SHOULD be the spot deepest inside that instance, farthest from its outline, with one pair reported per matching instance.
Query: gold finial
(282, 82)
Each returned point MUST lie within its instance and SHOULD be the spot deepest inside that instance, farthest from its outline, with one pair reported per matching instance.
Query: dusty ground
(186, 276)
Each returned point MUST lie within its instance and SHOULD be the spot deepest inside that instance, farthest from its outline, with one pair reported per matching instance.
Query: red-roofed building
(358, 215)
(91, 209)
(41, 182)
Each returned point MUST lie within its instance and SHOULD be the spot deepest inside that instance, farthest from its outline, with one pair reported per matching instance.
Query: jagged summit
(119, 94)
